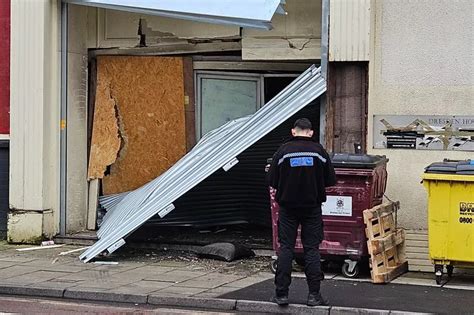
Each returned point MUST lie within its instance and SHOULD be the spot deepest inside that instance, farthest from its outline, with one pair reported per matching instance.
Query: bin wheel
(346, 269)
(450, 269)
(273, 266)
(439, 273)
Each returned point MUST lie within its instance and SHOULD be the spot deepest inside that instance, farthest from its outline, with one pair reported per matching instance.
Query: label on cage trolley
(338, 206)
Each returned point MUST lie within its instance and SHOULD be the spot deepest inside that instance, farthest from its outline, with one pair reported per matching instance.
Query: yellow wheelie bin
(450, 186)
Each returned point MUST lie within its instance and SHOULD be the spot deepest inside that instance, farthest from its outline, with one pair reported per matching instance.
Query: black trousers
(311, 236)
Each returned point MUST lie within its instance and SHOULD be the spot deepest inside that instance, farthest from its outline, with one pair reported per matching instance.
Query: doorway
(233, 205)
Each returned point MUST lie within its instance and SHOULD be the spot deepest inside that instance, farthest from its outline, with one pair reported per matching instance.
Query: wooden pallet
(385, 242)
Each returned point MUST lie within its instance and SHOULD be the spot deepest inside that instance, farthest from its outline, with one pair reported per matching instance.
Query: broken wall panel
(119, 29)
(189, 103)
(347, 113)
(149, 96)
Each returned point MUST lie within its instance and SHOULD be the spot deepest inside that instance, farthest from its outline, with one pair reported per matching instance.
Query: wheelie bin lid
(349, 160)
(465, 167)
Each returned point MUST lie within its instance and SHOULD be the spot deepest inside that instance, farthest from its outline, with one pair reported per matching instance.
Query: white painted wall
(81, 24)
(295, 36)
(421, 63)
(119, 29)
(34, 114)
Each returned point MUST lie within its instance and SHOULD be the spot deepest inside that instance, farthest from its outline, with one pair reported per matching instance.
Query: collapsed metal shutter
(217, 149)
(239, 195)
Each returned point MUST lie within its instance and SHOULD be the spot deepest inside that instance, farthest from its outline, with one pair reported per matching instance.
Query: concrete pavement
(143, 277)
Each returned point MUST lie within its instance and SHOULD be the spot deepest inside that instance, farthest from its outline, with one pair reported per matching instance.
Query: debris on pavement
(73, 251)
(225, 251)
(39, 247)
(102, 262)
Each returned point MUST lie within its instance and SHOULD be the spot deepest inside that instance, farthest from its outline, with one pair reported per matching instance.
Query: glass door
(222, 97)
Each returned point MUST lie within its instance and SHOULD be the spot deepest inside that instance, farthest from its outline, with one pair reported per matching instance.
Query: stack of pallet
(385, 242)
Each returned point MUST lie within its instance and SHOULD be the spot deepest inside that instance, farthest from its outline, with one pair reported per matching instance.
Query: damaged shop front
(141, 88)
(139, 133)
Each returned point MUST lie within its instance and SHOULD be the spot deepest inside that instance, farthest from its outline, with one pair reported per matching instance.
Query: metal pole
(63, 121)
(324, 68)
(324, 38)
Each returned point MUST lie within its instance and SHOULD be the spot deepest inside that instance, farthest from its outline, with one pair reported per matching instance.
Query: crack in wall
(294, 46)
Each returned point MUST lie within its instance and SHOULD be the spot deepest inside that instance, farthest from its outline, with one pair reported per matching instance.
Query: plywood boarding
(105, 143)
(149, 95)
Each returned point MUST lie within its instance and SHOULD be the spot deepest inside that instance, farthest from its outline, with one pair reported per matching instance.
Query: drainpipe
(63, 132)
(324, 68)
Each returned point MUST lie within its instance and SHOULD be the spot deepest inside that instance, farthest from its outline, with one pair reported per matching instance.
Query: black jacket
(300, 172)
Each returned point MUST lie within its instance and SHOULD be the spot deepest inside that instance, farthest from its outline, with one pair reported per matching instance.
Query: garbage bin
(450, 186)
(361, 183)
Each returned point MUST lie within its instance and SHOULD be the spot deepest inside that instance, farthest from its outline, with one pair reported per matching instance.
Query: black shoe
(317, 300)
(280, 300)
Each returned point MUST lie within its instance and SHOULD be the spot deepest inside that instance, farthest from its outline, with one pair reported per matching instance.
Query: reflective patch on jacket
(301, 161)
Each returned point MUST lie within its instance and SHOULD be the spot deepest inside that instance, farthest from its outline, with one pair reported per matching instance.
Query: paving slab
(175, 276)
(217, 291)
(184, 291)
(210, 281)
(90, 274)
(459, 286)
(17, 258)
(142, 287)
(68, 268)
(14, 271)
(415, 281)
(245, 282)
(104, 284)
(145, 272)
(174, 264)
(40, 262)
(352, 280)
(6, 264)
(38, 276)
(113, 269)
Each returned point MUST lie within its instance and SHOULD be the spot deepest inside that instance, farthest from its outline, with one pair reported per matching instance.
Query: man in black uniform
(300, 171)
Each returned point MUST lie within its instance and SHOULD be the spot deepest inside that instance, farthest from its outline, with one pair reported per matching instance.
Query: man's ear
(310, 133)
(293, 132)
